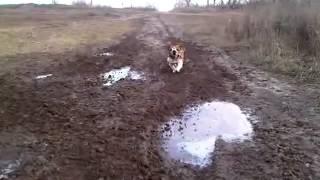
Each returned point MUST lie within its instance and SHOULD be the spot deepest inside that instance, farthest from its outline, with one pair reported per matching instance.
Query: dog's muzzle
(174, 52)
(172, 56)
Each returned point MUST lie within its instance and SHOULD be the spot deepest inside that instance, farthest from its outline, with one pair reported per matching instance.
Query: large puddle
(116, 75)
(191, 138)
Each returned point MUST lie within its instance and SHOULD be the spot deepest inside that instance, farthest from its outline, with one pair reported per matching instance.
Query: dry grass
(283, 38)
(29, 29)
(208, 28)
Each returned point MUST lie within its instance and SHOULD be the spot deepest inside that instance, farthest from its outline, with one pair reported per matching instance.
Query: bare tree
(208, 3)
(308, 2)
(91, 3)
(214, 2)
(179, 4)
(188, 2)
(222, 3)
(54, 2)
(234, 4)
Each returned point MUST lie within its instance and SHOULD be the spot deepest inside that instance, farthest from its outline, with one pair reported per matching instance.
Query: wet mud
(70, 126)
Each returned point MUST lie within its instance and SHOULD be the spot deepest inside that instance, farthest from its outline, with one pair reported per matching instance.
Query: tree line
(239, 3)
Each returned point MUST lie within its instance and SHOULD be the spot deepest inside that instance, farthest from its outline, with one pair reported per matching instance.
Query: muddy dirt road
(72, 124)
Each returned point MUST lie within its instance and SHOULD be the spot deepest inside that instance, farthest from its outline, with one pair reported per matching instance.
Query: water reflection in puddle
(191, 139)
(106, 54)
(118, 74)
(43, 76)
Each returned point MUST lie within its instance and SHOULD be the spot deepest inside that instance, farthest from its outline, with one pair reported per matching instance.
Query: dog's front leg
(173, 67)
(179, 65)
(171, 64)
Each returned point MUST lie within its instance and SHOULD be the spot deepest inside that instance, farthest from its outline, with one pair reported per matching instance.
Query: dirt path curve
(68, 126)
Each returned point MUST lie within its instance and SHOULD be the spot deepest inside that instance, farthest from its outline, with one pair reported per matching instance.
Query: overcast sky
(162, 5)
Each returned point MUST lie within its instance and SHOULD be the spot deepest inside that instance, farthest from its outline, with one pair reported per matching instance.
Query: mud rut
(69, 127)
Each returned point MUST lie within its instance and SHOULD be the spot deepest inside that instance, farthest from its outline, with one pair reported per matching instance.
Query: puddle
(116, 75)
(8, 167)
(43, 76)
(106, 54)
(191, 138)
(134, 75)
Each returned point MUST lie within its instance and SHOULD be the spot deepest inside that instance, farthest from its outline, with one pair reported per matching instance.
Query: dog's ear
(181, 47)
(169, 45)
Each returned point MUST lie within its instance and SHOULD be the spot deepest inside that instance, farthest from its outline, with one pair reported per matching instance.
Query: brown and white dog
(176, 57)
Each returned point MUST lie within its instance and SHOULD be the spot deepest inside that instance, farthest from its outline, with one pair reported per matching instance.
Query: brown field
(31, 29)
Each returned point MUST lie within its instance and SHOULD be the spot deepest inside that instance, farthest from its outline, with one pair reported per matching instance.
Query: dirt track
(69, 126)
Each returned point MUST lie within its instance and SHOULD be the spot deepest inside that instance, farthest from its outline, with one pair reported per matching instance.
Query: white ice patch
(43, 76)
(134, 75)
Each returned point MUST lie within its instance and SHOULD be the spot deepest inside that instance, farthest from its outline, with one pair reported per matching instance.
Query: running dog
(176, 57)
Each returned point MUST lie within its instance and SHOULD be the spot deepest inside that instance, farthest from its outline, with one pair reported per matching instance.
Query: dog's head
(175, 50)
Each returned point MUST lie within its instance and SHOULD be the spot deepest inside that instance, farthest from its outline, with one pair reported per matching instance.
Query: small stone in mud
(100, 149)
(167, 127)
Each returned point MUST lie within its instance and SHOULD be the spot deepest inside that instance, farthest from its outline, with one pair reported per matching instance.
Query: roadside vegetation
(279, 36)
